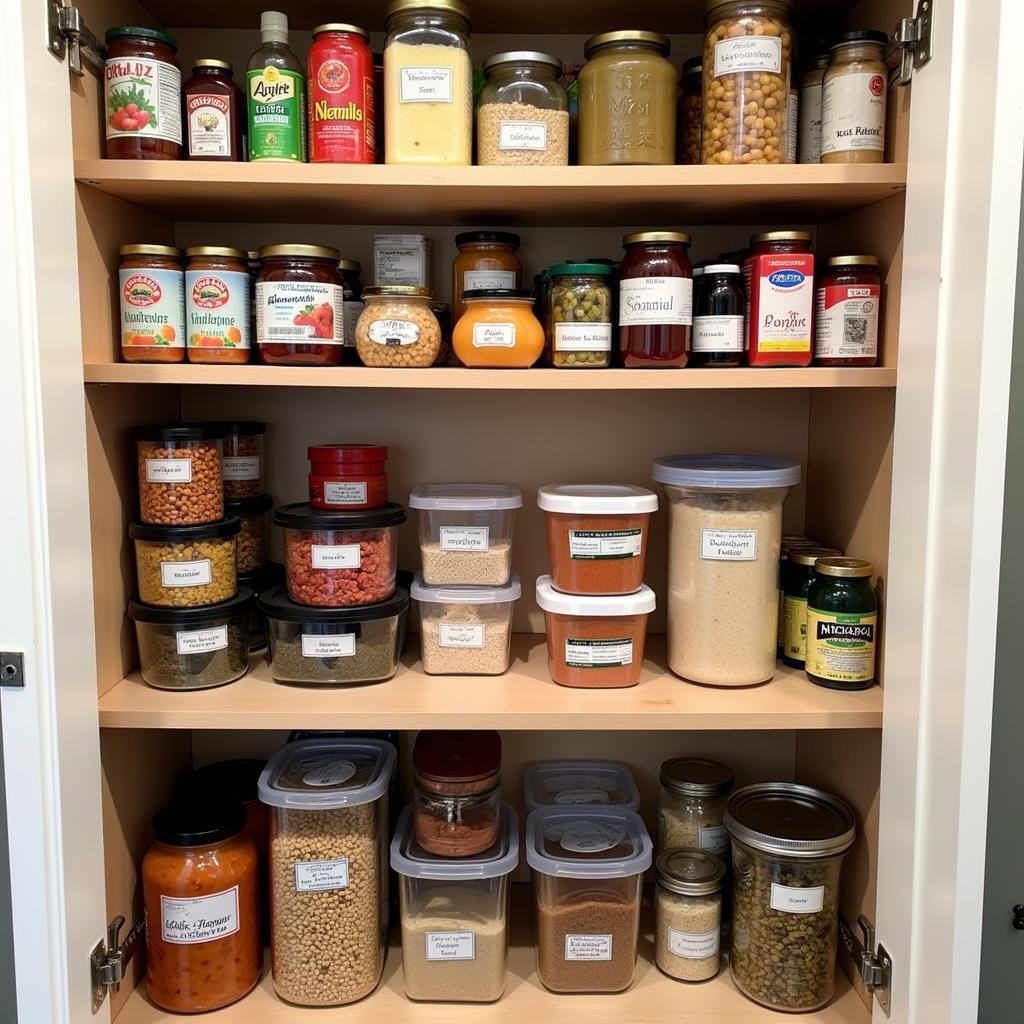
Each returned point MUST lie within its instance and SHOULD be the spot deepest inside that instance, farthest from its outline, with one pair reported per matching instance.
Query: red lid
(346, 453)
(448, 755)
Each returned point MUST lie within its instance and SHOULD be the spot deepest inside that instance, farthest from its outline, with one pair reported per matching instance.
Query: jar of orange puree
(218, 312)
(151, 288)
(498, 329)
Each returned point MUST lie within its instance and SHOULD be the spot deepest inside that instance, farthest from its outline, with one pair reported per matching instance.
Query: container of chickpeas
(748, 47)
(580, 314)
(691, 111)
(398, 327)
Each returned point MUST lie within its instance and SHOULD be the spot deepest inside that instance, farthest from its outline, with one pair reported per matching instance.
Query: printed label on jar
(588, 947)
(794, 627)
(142, 98)
(598, 653)
(841, 648)
(588, 837)
(853, 113)
(336, 556)
(321, 875)
(352, 310)
(425, 85)
(694, 945)
(394, 333)
(748, 53)
(299, 311)
(277, 114)
(718, 334)
(168, 471)
(574, 337)
(714, 839)
(403, 263)
(209, 125)
(340, 646)
(473, 279)
(451, 945)
(846, 321)
(465, 538)
(340, 493)
(462, 634)
(241, 467)
(494, 335)
(604, 545)
(809, 149)
(792, 900)
(186, 574)
(656, 300)
(152, 308)
(328, 772)
(202, 641)
(218, 307)
(780, 299)
(728, 545)
(185, 921)
(523, 135)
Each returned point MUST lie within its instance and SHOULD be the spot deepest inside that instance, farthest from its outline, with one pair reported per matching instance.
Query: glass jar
(811, 82)
(853, 100)
(141, 95)
(842, 624)
(847, 311)
(151, 286)
(718, 316)
(428, 83)
(341, 96)
(748, 46)
(299, 306)
(691, 111)
(691, 804)
(688, 914)
(655, 300)
(180, 474)
(797, 574)
(580, 314)
(398, 327)
(523, 112)
(214, 113)
(627, 100)
(486, 259)
(217, 306)
(403, 259)
(352, 302)
(498, 329)
(348, 476)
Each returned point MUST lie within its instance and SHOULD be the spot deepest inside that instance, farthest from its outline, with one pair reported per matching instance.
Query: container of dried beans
(180, 474)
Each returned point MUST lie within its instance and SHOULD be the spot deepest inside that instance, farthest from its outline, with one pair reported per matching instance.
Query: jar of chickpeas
(748, 46)
(691, 112)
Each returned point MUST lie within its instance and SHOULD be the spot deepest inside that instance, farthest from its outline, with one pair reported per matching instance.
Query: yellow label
(794, 644)
(790, 345)
(841, 648)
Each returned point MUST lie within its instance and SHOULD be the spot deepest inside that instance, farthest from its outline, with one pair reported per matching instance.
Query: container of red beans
(339, 559)
(350, 477)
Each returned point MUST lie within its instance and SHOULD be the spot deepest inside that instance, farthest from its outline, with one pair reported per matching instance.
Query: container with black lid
(180, 473)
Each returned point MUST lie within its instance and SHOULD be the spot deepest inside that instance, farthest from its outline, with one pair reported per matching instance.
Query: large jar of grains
(691, 804)
(788, 843)
(398, 327)
(688, 914)
(853, 100)
(747, 51)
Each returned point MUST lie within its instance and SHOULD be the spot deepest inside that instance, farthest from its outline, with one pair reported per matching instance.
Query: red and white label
(208, 116)
(780, 302)
(846, 321)
(853, 113)
(142, 97)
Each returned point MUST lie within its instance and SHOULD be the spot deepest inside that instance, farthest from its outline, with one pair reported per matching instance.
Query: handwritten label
(451, 945)
(321, 875)
(168, 471)
(186, 574)
(588, 947)
(465, 538)
(335, 556)
(185, 921)
(202, 641)
(425, 85)
(343, 646)
(728, 545)
(792, 900)
(462, 634)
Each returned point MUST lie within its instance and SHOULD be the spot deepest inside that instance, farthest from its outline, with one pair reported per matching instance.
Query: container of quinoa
(254, 538)
(180, 474)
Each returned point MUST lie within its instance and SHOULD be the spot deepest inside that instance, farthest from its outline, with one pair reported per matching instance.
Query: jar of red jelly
(341, 100)
(655, 299)
(846, 312)
(348, 476)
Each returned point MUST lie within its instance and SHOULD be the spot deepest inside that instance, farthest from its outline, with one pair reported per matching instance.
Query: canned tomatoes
(341, 122)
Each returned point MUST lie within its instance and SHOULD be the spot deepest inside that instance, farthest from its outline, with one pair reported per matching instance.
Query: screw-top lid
(302, 516)
(276, 604)
(347, 454)
(210, 62)
(507, 294)
(864, 35)
(690, 872)
(692, 65)
(152, 250)
(641, 602)
(215, 250)
(671, 237)
(198, 822)
(781, 236)
(193, 617)
(726, 472)
(501, 237)
(457, 755)
(625, 36)
(587, 842)
(350, 266)
(713, 5)
(235, 780)
(455, 7)
(229, 526)
(589, 269)
(851, 568)
(465, 497)
(190, 432)
(697, 776)
(410, 859)
(596, 499)
(340, 26)
(458, 594)
(579, 783)
(806, 556)
(852, 261)
(274, 27)
(720, 268)
(143, 33)
(522, 57)
(397, 291)
(319, 252)
(248, 506)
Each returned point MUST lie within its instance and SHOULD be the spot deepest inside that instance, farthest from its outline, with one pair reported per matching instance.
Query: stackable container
(270, 576)
(245, 468)
(348, 476)
(573, 783)
(180, 470)
(254, 537)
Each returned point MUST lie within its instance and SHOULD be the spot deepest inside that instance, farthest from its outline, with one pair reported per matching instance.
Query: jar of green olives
(581, 315)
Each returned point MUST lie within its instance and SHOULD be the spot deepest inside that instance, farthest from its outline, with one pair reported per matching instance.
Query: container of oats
(328, 867)
(397, 327)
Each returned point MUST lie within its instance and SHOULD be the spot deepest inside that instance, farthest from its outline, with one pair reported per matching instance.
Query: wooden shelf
(380, 194)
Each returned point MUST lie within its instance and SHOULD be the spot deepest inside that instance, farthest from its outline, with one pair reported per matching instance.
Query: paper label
(494, 336)
(209, 125)
(343, 645)
(152, 308)
(694, 945)
(451, 945)
(604, 545)
(718, 334)
(152, 88)
(241, 467)
(168, 471)
(465, 538)
(580, 789)
(473, 279)
(341, 493)
(202, 641)
(780, 299)
(277, 113)
(523, 135)
(218, 309)
(187, 921)
(321, 875)
(588, 947)
(748, 53)
(590, 837)
(352, 310)
(846, 321)
(295, 311)
(186, 574)
(576, 797)
(714, 839)
(853, 113)
(729, 545)
(794, 627)
(598, 653)
(462, 634)
(792, 123)
(333, 771)
(425, 85)
(394, 333)
(809, 142)
(841, 648)
(792, 900)
(336, 556)
(401, 259)
(656, 300)
(578, 337)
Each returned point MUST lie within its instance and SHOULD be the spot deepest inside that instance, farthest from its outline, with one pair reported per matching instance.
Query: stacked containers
(574, 783)
(349, 477)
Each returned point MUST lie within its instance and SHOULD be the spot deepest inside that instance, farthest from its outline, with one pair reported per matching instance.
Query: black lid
(508, 237)
(230, 526)
(276, 604)
(235, 426)
(192, 617)
(234, 780)
(267, 576)
(300, 515)
(182, 432)
(199, 822)
(247, 506)
(693, 64)
(143, 33)
(498, 293)
(864, 35)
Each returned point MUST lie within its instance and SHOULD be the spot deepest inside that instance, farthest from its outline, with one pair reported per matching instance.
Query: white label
(168, 471)
(590, 837)
(296, 311)
(152, 308)
(209, 125)
(339, 493)
(748, 53)
(519, 135)
(576, 337)
(598, 653)
(321, 875)
(656, 300)
(791, 900)
(580, 789)
(714, 840)
(401, 259)
(462, 634)
(352, 310)
(425, 85)
(853, 113)
(472, 279)
(186, 574)
(152, 88)
(605, 545)
(809, 143)
(242, 467)
(394, 333)
(202, 641)
(465, 538)
(451, 945)
(494, 336)
(341, 646)
(846, 321)
(336, 556)
(187, 921)
(694, 945)
(718, 334)
(329, 772)
(729, 545)
(588, 947)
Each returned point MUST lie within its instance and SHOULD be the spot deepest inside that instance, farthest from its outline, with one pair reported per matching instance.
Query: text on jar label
(186, 921)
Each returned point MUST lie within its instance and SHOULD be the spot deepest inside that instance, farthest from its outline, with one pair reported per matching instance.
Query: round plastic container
(349, 477)
(595, 642)
(180, 474)
(572, 783)
(244, 466)
(597, 536)
(254, 538)
(271, 575)
(725, 534)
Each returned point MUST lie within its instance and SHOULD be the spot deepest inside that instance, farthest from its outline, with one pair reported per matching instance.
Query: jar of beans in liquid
(151, 285)
(217, 305)
(846, 312)
(718, 317)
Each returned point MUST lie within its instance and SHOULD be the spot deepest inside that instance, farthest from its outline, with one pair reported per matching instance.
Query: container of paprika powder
(341, 96)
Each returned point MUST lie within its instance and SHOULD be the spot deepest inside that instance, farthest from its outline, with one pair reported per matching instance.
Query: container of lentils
(328, 867)
(580, 314)
(691, 804)
(570, 783)
(193, 648)
(180, 474)
(270, 576)
(688, 914)
(788, 844)
(254, 537)
(244, 466)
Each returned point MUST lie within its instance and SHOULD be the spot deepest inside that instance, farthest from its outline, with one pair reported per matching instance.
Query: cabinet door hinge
(70, 35)
(110, 958)
(871, 960)
(910, 47)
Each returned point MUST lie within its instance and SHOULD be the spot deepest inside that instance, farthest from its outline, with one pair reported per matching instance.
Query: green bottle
(276, 95)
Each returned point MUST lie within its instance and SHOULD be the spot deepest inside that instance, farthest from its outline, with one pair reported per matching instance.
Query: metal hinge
(873, 962)
(110, 958)
(69, 34)
(910, 47)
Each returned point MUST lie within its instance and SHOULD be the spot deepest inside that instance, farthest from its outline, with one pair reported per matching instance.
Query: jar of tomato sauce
(151, 286)
(217, 304)
(846, 312)
(214, 113)
(341, 100)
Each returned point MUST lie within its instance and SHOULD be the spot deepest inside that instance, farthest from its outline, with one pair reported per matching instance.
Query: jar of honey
(498, 329)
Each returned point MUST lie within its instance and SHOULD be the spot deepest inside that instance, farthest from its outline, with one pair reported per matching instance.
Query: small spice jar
(688, 914)
(457, 798)
(217, 304)
(691, 111)
(398, 327)
(486, 259)
(581, 316)
(797, 575)
(853, 100)
(811, 83)
(151, 286)
(214, 113)
(352, 293)
(718, 316)
(243, 466)
(498, 329)
(348, 476)
(846, 314)
(254, 539)
(180, 474)
(691, 804)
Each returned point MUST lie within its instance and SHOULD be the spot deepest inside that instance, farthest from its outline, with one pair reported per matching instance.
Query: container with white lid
(465, 532)
(455, 915)
(576, 783)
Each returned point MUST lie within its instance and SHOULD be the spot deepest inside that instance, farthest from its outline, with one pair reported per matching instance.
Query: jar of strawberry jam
(846, 312)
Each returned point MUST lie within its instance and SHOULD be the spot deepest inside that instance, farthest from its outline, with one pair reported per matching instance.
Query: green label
(277, 111)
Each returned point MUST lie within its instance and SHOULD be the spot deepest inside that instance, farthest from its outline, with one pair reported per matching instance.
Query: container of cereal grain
(180, 474)
(571, 783)
(328, 867)
(691, 804)
(244, 468)
(688, 914)
(725, 535)
(455, 915)
(588, 866)
(254, 539)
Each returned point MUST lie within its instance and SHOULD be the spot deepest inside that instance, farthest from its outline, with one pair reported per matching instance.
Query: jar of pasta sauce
(151, 285)
(341, 100)
(846, 312)
(217, 304)
(348, 476)
(779, 277)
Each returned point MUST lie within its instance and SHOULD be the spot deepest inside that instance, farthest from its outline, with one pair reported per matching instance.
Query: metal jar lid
(655, 39)
(319, 252)
(455, 7)
(397, 291)
(781, 236)
(809, 556)
(215, 250)
(522, 57)
(209, 62)
(697, 776)
(151, 250)
(340, 26)
(849, 568)
(852, 261)
(677, 237)
(713, 5)
(353, 266)
(693, 66)
(690, 872)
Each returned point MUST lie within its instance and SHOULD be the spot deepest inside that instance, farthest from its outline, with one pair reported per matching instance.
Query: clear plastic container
(244, 466)
(254, 538)
(725, 534)
(466, 532)
(588, 866)
(688, 914)
(328, 867)
(691, 804)
(270, 576)
(180, 474)
(572, 783)
(466, 630)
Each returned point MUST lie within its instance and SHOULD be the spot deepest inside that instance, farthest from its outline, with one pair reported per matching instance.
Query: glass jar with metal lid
(847, 312)
(151, 286)
(691, 111)
(214, 113)
(853, 100)
(788, 843)
(217, 306)
(797, 574)
(352, 301)
(719, 302)
(486, 259)
(523, 111)
(688, 913)
(580, 314)
(397, 327)
(627, 104)
(691, 804)
(842, 624)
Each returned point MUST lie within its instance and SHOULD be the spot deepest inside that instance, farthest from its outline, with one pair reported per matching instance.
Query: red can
(348, 476)
(341, 107)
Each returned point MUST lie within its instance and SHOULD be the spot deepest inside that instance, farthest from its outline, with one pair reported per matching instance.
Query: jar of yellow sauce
(428, 83)
(498, 329)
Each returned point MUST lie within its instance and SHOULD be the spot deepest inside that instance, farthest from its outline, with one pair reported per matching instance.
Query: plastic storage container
(254, 538)
(688, 914)
(691, 804)
(569, 783)
(180, 474)
(466, 532)
(588, 866)
(270, 576)
(244, 466)
(348, 476)
(328, 867)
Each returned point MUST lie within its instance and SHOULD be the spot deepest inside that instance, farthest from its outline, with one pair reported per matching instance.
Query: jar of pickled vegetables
(580, 305)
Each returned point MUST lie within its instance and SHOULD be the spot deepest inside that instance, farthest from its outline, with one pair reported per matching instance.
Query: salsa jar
(341, 99)
(718, 320)
(299, 306)
(498, 329)
(779, 277)
(214, 113)
(151, 286)
(217, 304)
(141, 95)
(691, 112)
(347, 476)
(655, 299)
(486, 259)
(846, 312)
(352, 301)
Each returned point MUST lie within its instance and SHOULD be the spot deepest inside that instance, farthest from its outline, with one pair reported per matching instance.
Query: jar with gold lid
(151, 285)
(217, 306)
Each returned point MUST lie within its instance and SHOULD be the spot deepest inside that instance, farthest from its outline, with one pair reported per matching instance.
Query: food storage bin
(180, 474)
(193, 648)
(788, 844)
(186, 566)
(339, 559)
(466, 630)
(691, 804)
(350, 477)
(725, 532)
(466, 532)
(588, 866)
(254, 538)
(271, 575)
(595, 641)
(243, 463)
(688, 914)
(328, 867)
(567, 783)
(597, 536)
(455, 915)
(333, 646)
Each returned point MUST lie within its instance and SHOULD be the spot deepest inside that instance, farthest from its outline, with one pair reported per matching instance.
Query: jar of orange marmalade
(151, 286)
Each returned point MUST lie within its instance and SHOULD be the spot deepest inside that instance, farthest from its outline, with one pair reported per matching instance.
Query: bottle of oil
(276, 95)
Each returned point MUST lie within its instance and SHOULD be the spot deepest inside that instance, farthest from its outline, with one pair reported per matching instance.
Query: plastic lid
(721, 268)
(596, 499)
(190, 432)
(233, 427)
(237, 605)
(790, 820)
(501, 237)
(274, 25)
(302, 516)
(726, 472)
(410, 859)
(551, 600)
(697, 776)
(580, 270)
(568, 842)
(457, 755)
(248, 506)
(421, 591)
(343, 454)
(321, 774)
(227, 527)
(579, 783)
(690, 872)
(269, 575)
(465, 497)
(276, 604)
(198, 822)
(143, 33)
(237, 780)
(517, 294)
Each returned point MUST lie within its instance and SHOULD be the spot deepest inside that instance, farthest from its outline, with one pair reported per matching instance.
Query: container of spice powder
(688, 914)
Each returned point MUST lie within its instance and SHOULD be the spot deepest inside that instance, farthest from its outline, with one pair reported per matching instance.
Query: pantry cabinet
(903, 464)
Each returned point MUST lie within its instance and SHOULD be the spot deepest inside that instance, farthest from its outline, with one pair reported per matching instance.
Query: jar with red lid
(299, 306)
(348, 476)
(141, 95)
(214, 113)
(847, 312)
(341, 99)
(655, 299)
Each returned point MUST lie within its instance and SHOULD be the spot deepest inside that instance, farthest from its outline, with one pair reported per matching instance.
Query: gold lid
(851, 568)
(781, 236)
(404, 291)
(350, 265)
(209, 62)
(340, 26)
(679, 237)
(456, 7)
(808, 556)
(852, 261)
(216, 250)
(627, 36)
(150, 250)
(320, 252)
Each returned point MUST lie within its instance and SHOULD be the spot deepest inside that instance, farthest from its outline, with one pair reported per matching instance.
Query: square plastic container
(588, 867)
(466, 532)
(455, 915)
(328, 867)
(466, 630)
(575, 783)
